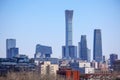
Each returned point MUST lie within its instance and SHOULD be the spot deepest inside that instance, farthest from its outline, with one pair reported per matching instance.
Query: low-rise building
(86, 70)
(94, 64)
(116, 66)
(84, 64)
(46, 67)
(69, 74)
(83, 67)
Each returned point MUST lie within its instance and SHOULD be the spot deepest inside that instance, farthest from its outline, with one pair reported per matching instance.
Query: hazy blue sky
(33, 22)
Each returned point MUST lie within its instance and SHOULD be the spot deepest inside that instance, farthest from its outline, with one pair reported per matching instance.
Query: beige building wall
(47, 68)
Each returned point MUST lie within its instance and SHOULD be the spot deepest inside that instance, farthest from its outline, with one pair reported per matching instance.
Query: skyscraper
(97, 46)
(43, 51)
(68, 20)
(10, 43)
(113, 57)
(69, 50)
(83, 50)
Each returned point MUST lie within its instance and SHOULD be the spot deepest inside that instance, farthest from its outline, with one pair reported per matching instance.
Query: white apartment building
(47, 68)
(83, 66)
(94, 64)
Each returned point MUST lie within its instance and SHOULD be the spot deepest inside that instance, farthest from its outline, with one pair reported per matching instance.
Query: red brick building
(69, 74)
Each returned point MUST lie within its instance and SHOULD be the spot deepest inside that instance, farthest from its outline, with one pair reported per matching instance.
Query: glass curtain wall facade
(10, 43)
(97, 46)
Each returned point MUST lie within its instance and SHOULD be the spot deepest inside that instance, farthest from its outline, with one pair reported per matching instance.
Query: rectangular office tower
(84, 52)
(97, 46)
(10, 43)
(68, 50)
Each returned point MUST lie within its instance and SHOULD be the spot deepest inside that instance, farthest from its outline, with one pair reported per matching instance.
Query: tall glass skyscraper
(83, 50)
(97, 46)
(10, 43)
(69, 50)
(68, 20)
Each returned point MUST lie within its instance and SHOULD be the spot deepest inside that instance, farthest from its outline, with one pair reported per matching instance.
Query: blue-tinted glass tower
(113, 57)
(68, 20)
(72, 52)
(97, 46)
(10, 43)
(69, 51)
(14, 52)
(83, 50)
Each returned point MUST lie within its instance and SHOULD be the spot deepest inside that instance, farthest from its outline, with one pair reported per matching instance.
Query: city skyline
(32, 23)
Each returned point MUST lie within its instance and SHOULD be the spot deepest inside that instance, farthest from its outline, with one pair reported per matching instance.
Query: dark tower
(83, 50)
(97, 46)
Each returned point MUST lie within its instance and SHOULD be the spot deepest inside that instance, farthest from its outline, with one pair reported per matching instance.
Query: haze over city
(43, 22)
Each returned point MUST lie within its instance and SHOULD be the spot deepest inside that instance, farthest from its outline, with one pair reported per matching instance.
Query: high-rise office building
(68, 20)
(97, 46)
(14, 52)
(43, 51)
(10, 43)
(83, 50)
(113, 57)
(69, 50)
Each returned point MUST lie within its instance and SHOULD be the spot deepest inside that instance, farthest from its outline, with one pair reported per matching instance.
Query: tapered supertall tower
(97, 46)
(68, 21)
(69, 51)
